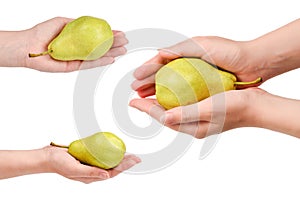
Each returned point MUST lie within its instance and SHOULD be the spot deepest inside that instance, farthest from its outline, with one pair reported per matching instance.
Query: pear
(102, 149)
(85, 38)
(185, 81)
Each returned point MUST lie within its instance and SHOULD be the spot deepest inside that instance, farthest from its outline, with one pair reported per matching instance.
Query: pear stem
(258, 80)
(57, 145)
(31, 55)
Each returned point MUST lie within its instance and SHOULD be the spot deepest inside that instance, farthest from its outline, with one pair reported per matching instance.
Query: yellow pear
(85, 38)
(185, 81)
(102, 149)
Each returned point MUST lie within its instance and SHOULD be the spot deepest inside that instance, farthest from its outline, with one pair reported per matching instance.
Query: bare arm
(274, 113)
(276, 52)
(17, 163)
(56, 160)
(13, 48)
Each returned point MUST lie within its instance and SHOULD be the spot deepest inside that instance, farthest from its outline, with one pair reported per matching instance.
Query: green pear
(102, 149)
(85, 38)
(185, 81)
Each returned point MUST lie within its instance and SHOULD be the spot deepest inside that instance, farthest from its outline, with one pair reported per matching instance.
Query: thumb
(200, 111)
(189, 48)
(90, 172)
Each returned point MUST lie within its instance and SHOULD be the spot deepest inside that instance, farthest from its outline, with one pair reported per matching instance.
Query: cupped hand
(219, 113)
(62, 163)
(230, 55)
(42, 34)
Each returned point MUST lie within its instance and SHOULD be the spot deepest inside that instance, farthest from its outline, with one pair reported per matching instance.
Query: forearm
(275, 113)
(13, 45)
(21, 162)
(278, 51)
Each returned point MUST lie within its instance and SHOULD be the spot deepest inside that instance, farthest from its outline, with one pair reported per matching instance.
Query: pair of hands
(267, 56)
(213, 115)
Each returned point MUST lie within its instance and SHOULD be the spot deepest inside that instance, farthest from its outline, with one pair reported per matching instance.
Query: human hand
(61, 162)
(42, 34)
(216, 114)
(230, 55)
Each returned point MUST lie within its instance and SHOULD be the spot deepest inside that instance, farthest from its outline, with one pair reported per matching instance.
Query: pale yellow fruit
(85, 38)
(102, 149)
(186, 81)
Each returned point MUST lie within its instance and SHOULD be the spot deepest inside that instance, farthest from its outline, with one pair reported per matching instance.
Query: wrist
(22, 162)
(39, 161)
(260, 59)
(13, 48)
(252, 116)
(48, 159)
(276, 52)
(274, 113)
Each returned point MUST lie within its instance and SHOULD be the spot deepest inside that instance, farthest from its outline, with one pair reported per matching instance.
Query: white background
(36, 107)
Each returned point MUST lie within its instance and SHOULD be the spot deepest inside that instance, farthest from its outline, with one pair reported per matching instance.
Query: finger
(200, 111)
(60, 22)
(145, 87)
(116, 32)
(150, 67)
(70, 66)
(65, 20)
(188, 48)
(198, 129)
(87, 180)
(85, 171)
(147, 92)
(195, 129)
(128, 162)
(143, 84)
(119, 39)
(115, 52)
(149, 106)
(92, 64)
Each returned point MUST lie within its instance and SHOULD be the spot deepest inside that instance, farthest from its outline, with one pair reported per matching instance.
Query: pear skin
(102, 149)
(85, 38)
(185, 81)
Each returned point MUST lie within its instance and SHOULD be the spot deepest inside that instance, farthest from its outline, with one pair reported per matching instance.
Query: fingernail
(112, 60)
(131, 104)
(138, 160)
(104, 175)
(134, 161)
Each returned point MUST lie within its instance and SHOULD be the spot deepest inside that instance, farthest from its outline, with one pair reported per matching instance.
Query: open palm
(216, 114)
(61, 162)
(42, 34)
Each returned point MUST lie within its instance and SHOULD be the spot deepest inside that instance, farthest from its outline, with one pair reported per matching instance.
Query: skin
(267, 56)
(56, 160)
(15, 46)
(14, 49)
